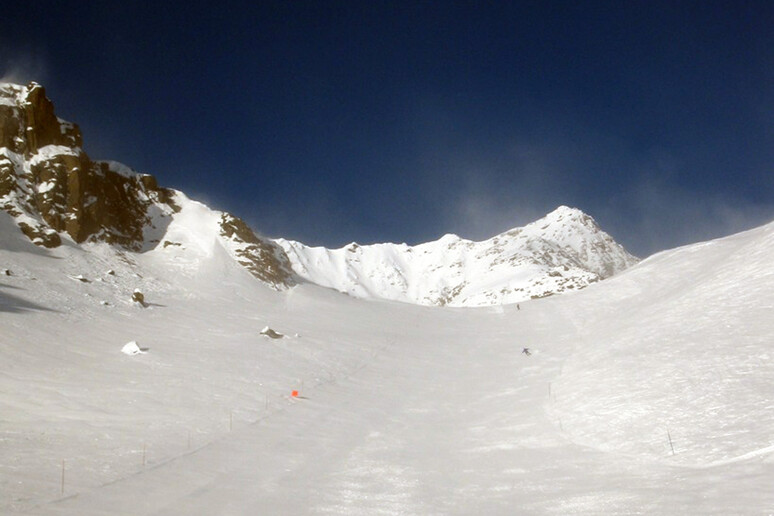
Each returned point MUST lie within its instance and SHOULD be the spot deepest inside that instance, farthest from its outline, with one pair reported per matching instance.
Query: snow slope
(700, 319)
(404, 409)
(563, 251)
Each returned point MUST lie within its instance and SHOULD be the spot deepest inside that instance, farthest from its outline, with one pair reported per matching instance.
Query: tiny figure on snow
(518, 307)
(526, 351)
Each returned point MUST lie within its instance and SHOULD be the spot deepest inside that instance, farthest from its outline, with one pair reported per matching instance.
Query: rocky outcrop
(53, 189)
(51, 186)
(28, 122)
(263, 258)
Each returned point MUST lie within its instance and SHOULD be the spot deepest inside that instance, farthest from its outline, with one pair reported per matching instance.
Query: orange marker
(294, 394)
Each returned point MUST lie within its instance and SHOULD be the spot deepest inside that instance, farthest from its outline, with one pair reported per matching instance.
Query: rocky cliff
(53, 190)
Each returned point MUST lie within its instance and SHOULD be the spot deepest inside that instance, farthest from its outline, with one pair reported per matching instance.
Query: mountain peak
(563, 251)
(565, 210)
(51, 186)
(53, 190)
(566, 214)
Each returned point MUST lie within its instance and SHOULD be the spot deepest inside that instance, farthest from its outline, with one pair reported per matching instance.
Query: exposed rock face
(263, 258)
(28, 123)
(51, 186)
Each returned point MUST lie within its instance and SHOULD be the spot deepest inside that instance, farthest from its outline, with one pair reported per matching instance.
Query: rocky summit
(51, 186)
(54, 190)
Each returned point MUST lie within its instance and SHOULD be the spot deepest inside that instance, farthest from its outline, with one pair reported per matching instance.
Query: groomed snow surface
(402, 409)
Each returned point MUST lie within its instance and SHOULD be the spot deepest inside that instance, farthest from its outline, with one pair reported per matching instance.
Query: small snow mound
(131, 348)
(271, 333)
(81, 278)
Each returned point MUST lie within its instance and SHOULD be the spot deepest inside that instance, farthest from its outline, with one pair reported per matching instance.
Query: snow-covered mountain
(56, 193)
(563, 251)
(648, 393)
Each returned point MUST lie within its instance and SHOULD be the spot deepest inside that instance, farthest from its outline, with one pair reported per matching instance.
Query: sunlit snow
(647, 393)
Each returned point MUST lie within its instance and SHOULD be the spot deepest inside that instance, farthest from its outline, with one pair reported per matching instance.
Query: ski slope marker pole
(670, 441)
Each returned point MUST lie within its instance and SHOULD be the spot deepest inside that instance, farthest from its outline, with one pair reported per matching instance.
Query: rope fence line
(190, 445)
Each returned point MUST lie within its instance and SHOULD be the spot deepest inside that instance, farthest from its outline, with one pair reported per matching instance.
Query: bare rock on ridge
(263, 258)
(51, 186)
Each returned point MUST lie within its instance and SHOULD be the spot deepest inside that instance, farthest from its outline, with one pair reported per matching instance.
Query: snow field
(689, 351)
(408, 409)
(81, 400)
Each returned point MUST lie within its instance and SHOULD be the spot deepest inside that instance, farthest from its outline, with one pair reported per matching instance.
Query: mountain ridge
(55, 191)
(563, 251)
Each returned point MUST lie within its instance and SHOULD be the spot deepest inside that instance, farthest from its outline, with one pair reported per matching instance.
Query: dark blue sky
(329, 122)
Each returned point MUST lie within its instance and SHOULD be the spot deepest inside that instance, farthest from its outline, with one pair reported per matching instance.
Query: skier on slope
(526, 351)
